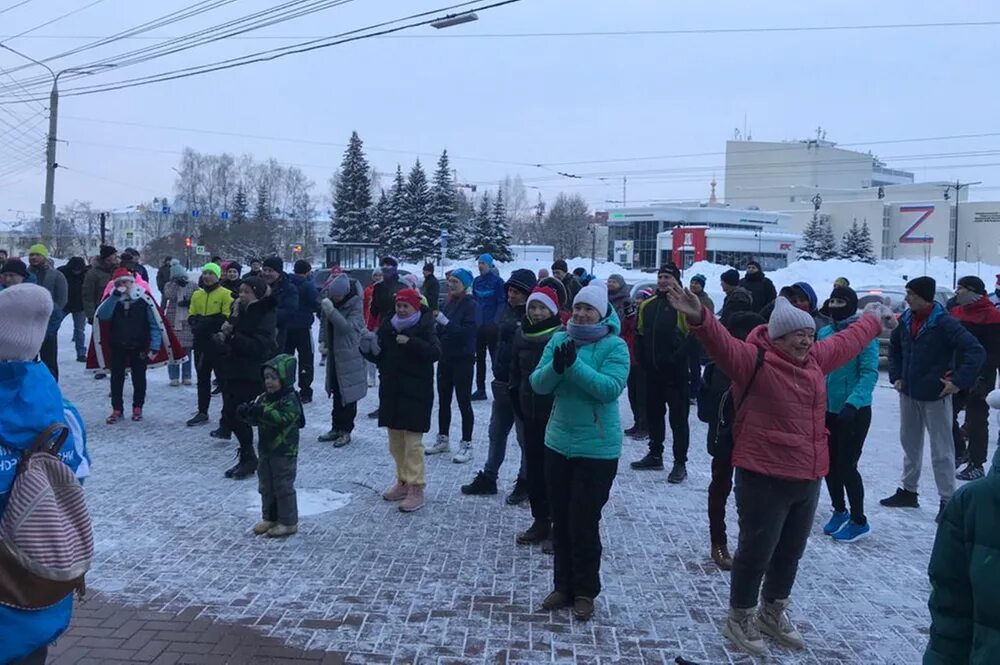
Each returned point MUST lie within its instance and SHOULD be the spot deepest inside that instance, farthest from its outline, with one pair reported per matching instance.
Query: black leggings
(846, 442)
(455, 375)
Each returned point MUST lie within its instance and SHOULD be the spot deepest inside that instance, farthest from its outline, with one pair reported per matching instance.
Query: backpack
(46, 538)
(723, 442)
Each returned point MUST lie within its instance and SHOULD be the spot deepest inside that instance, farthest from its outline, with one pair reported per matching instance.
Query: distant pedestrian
(637, 388)
(277, 414)
(489, 294)
(283, 294)
(97, 278)
(75, 271)
(695, 352)
(923, 370)
(561, 272)
(383, 299)
(255, 267)
(760, 287)
(405, 349)
(457, 332)
(340, 333)
(177, 295)
(232, 278)
(431, 288)
(130, 259)
(210, 307)
(163, 273)
(737, 299)
(299, 338)
(45, 275)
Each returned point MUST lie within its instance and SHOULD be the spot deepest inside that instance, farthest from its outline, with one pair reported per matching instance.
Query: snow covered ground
(449, 584)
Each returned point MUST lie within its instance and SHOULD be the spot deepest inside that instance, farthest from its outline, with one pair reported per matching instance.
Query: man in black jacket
(75, 270)
(760, 287)
(283, 293)
(383, 303)
(661, 344)
(431, 288)
(738, 299)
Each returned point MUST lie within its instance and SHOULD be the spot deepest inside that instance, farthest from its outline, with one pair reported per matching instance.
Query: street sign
(224, 215)
(196, 213)
(199, 249)
(165, 210)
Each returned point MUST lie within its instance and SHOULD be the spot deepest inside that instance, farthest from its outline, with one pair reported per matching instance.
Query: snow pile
(310, 502)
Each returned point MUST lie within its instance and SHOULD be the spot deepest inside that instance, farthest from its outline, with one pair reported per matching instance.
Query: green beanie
(39, 249)
(212, 268)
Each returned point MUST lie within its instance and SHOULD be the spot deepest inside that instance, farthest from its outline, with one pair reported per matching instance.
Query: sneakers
(678, 473)
(305, 397)
(851, 531)
(583, 608)
(373, 415)
(99, 376)
(941, 507)
(901, 499)
(721, 557)
(223, 434)
(649, 462)
(339, 439)
(81, 359)
(481, 485)
(441, 445)
(397, 492)
(548, 547)
(972, 471)
(742, 629)
(186, 382)
(773, 620)
(246, 468)
(464, 453)
(198, 419)
(838, 520)
(637, 433)
(262, 527)
(136, 413)
(519, 494)
(328, 437)
(175, 383)
(536, 533)
(282, 530)
(114, 417)
(479, 395)
(556, 600)
(414, 500)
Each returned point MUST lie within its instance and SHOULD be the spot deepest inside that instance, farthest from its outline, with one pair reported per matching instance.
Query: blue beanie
(809, 292)
(463, 275)
(487, 259)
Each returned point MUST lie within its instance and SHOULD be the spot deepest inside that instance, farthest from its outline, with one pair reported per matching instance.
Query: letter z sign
(908, 237)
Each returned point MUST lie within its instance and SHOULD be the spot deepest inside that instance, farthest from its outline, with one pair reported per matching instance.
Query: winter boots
(246, 466)
(519, 494)
(414, 500)
(742, 629)
(481, 485)
(972, 471)
(773, 620)
(649, 462)
(136, 413)
(339, 439)
(397, 492)
(197, 419)
(115, 416)
(901, 499)
(282, 530)
(583, 608)
(678, 474)
(262, 527)
(536, 533)
(721, 557)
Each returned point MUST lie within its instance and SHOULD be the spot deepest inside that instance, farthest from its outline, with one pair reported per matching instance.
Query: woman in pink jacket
(780, 450)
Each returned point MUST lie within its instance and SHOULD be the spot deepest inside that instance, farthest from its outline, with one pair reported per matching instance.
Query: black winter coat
(527, 352)
(510, 322)
(761, 289)
(431, 289)
(458, 338)
(662, 339)
(251, 343)
(74, 283)
(384, 298)
(406, 375)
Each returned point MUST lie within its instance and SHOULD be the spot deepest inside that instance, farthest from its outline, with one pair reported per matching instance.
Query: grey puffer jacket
(341, 334)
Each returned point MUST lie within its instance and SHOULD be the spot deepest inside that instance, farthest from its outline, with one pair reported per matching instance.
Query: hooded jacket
(75, 272)
(490, 295)
(94, 283)
(278, 416)
(250, 343)
(341, 331)
(854, 382)
(737, 300)
(761, 290)
(585, 420)
(921, 362)
(982, 319)
(308, 302)
(458, 337)
(780, 428)
(965, 576)
(32, 401)
(285, 297)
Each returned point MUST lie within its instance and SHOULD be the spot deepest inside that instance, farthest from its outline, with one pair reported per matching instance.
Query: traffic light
(187, 242)
(297, 249)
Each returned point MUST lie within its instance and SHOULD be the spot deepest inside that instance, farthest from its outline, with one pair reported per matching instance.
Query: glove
(847, 414)
(327, 306)
(559, 360)
(151, 355)
(441, 318)
(569, 354)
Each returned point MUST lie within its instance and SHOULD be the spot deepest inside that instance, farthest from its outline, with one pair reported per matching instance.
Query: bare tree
(565, 225)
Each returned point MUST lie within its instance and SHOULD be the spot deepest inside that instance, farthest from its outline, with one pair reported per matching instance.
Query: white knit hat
(787, 318)
(24, 317)
(993, 399)
(594, 294)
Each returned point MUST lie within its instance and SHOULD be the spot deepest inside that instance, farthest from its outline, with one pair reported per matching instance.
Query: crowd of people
(562, 349)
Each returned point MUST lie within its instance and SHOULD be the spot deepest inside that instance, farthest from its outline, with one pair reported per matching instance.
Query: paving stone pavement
(448, 584)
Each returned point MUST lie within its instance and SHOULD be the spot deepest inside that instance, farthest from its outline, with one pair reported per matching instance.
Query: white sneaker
(175, 382)
(442, 446)
(464, 453)
(186, 382)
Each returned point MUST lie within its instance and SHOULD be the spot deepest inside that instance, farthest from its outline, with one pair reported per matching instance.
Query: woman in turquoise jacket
(585, 369)
(848, 416)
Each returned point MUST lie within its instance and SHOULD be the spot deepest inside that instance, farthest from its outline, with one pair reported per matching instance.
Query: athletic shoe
(519, 494)
(81, 359)
(677, 474)
(329, 436)
(773, 619)
(373, 415)
(223, 434)
(174, 383)
(114, 417)
(442, 445)
(901, 499)
(851, 531)
(464, 453)
(838, 520)
(481, 485)
(342, 440)
(650, 462)
(479, 396)
(972, 471)
(198, 419)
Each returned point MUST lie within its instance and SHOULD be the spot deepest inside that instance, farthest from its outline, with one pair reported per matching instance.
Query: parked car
(894, 296)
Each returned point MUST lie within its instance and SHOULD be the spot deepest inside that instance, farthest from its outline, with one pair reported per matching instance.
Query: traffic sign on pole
(165, 210)
(199, 249)
(224, 215)
(196, 213)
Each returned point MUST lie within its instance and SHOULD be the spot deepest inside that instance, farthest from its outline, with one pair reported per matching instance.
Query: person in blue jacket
(585, 369)
(848, 417)
(298, 336)
(490, 296)
(31, 402)
(283, 294)
(923, 370)
(456, 323)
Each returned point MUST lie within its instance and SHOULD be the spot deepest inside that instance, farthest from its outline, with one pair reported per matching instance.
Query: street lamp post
(48, 208)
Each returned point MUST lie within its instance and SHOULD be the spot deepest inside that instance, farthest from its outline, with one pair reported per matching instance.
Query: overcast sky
(501, 104)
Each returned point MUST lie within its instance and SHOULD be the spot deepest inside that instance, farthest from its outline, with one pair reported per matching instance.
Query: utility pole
(48, 207)
(624, 191)
(958, 186)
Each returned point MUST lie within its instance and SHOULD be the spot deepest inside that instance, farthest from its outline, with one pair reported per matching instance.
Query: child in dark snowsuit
(277, 414)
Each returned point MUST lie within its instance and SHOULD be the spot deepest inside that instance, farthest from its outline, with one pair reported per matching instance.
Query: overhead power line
(14, 6)
(55, 20)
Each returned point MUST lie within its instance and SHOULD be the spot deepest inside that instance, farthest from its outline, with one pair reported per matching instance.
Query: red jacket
(780, 428)
(370, 321)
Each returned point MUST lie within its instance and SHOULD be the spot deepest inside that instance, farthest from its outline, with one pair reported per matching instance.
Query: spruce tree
(810, 240)
(866, 252)
(826, 247)
(241, 206)
(262, 210)
(424, 232)
(444, 206)
(481, 236)
(499, 231)
(377, 215)
(395, 228)
(353, 195)
(849, 243)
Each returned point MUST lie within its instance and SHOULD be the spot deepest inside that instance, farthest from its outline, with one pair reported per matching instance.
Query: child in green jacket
(277, 413)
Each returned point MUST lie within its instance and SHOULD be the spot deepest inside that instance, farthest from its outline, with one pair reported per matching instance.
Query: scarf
(587, 334)
(544, 327)
(400, 324)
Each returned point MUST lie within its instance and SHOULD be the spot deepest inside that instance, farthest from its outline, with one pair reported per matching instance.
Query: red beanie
(121, 272)
(547, 296)
(410, 296)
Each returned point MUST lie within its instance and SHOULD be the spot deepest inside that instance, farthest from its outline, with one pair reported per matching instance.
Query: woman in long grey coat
(346, 380)
(177, 294)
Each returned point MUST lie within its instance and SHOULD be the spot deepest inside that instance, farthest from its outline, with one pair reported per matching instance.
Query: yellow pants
(407, 449)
